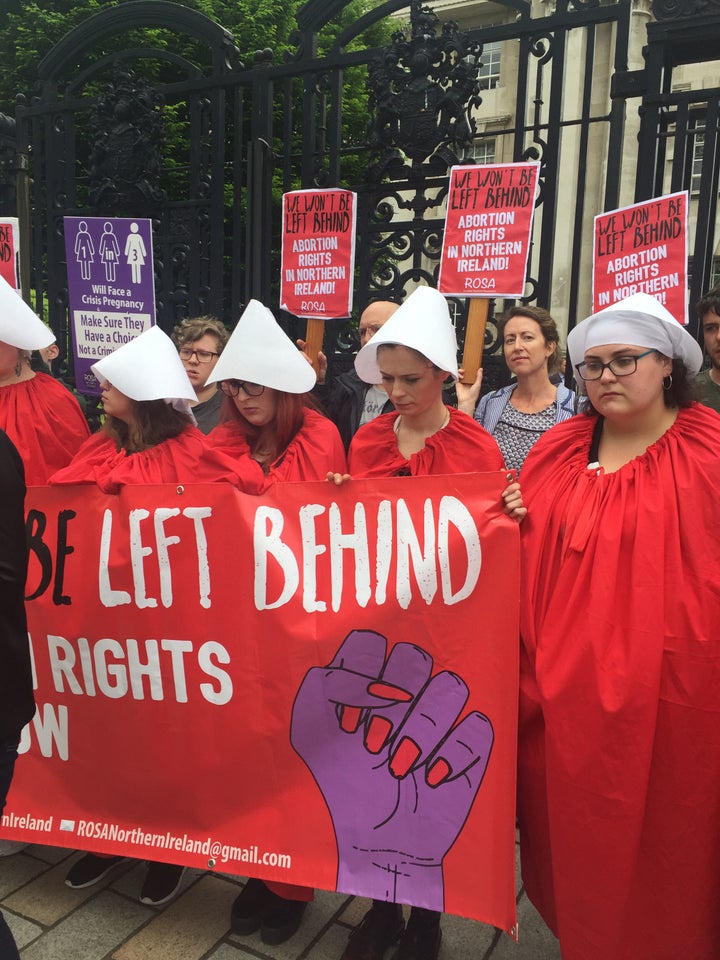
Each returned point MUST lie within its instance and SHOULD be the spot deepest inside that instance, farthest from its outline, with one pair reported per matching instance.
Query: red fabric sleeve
(462, 446)
(181, 459)
(45, 422)
(315, 450)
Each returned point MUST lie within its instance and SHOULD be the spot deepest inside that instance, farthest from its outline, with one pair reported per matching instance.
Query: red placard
(643, 249)
(318, 253)
(487, 230)
(209, 663)
(8, 251)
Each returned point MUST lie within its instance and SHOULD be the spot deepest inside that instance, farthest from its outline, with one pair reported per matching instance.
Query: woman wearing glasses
(271, 434)
(200, 341)
(271, 428)
(619, 752)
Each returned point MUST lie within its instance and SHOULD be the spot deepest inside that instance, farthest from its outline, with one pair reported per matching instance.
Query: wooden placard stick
(314, 336)
(474, 338)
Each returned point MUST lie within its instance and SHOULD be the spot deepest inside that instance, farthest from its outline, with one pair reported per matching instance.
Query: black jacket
(343, 401)
(17, 704)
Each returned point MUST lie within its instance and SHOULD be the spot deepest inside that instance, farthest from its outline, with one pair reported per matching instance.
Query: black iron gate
(548, 81)
(680, 132)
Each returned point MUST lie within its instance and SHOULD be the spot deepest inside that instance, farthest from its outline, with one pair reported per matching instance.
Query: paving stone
(47, 899)
(23, 930)
(355, 910)
(227, 951)
(188, 927)
(466, 938)
(50, 854)
(18, 870)
(536, 941)
(91, 932)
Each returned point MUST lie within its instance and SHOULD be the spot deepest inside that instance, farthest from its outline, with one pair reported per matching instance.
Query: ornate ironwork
(126, 129)
(242, 135)
(423, 89)
(684, 9)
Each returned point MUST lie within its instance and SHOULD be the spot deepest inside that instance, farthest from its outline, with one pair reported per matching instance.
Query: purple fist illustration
(398, 772)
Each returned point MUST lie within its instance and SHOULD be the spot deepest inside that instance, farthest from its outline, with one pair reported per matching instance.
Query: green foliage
(31, 31)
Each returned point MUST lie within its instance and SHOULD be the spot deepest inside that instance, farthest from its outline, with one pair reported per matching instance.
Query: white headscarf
(148, 368)
(642, 321)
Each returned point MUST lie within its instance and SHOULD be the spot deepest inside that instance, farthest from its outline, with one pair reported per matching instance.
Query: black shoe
(250, 906)
(162, 882)
(381, 926)
(282, 919)
(90, 869)
(422, 937)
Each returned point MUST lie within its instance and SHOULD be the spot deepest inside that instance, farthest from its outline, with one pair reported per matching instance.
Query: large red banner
(316, 686)
(486, 241)
(643, 249)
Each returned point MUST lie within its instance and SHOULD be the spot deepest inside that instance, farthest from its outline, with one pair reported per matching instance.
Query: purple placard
(111, 287)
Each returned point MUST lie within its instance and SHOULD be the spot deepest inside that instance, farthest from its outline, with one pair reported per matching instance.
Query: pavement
(50, 921)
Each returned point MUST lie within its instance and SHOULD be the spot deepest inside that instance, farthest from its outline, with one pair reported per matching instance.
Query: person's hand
(512, 496)
(338, 478)
(321, 360)
(399, 773)
(468, 394)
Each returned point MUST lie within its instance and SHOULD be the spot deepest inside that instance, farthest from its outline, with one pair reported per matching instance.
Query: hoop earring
(667, 382)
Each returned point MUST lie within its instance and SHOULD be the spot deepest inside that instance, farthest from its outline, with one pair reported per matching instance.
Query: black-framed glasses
(620, 366)
(202, 356)
(231, 388)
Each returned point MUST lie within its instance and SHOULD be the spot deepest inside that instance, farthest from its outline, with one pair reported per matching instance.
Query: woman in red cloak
(148, 437)
(271, 431)
(412, 355)
(41, 417)
(270, 434)
(619, 752)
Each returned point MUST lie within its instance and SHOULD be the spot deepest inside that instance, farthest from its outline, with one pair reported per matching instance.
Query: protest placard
(487, 230)
(643, 249)
(9, 248)
(111, 287)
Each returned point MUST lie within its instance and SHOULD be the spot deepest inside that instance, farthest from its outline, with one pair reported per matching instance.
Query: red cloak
(462, 446)
(619, 751)
(181, 459)
(314, 451)
(45, 422)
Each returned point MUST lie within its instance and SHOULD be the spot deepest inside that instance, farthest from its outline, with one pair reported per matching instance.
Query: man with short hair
(17, 704)
(349, 401)
(200, 341)
(707, 383)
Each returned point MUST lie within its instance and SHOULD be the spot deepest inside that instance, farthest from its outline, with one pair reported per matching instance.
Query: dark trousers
(8, 756)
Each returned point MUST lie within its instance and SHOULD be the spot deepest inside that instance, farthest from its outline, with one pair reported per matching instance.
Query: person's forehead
(207, 341)
(397, 359)
(612, 349)
(710, 318)
(375, 314)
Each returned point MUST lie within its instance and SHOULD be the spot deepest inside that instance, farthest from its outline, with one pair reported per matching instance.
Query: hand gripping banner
(317, 686)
